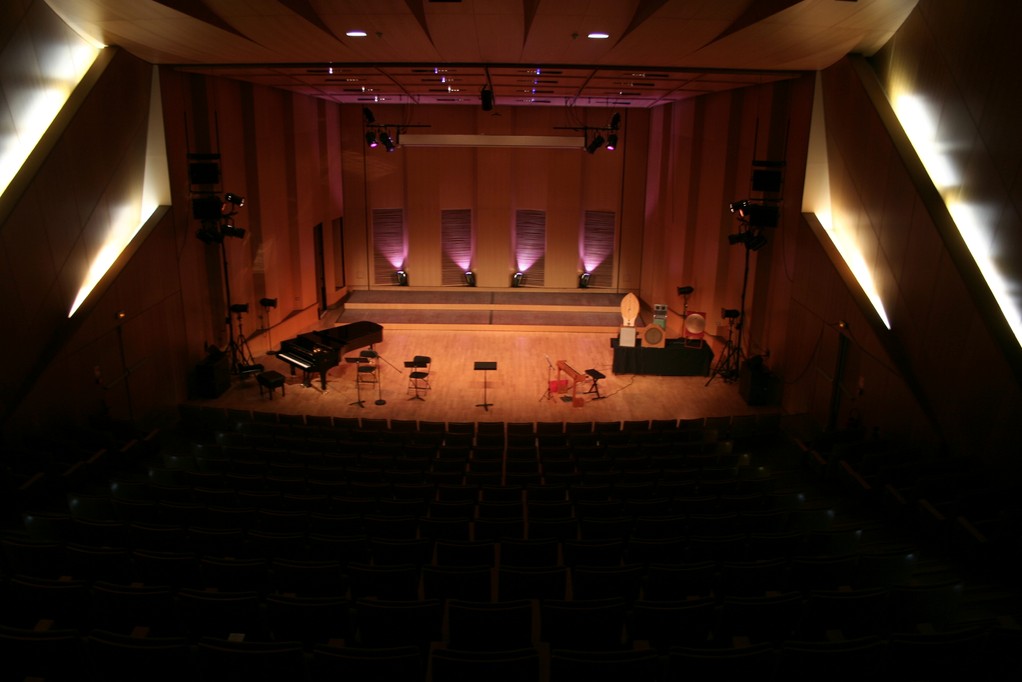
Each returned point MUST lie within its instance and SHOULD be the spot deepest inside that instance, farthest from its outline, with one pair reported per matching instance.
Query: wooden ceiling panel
(294, 44)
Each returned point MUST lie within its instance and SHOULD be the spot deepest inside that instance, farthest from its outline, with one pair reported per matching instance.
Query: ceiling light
(598, 35)
(356, 33)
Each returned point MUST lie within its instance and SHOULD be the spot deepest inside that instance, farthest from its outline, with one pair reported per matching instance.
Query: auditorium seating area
(262, 545)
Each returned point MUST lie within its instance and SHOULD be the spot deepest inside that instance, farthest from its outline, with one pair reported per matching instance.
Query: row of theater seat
(974, 654)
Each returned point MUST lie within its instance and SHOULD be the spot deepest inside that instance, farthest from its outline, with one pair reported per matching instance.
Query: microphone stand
(379, 380)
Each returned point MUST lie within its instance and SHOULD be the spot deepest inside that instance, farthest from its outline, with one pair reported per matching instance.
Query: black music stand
(595, 388)
(484, 367)
(358, 381)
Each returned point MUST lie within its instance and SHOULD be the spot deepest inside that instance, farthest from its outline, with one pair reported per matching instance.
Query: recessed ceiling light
(598, 35)
(356, 34)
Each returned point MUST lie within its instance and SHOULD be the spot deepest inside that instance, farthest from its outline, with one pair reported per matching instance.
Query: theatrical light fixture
(685, 291)
(740, 238)
(612, 142)
(367, 114)
(402, 278)
(756, 242)
(486, 98)
(371, 140)
(729, 313)
(615, 121)
(229, 230)
(516, 279)
(238, 308)
(740, 208)
(583, 280)
(756, 215)
(234, 199)
(388, 143)
(268, 302)
(470, 278)
(595, 144)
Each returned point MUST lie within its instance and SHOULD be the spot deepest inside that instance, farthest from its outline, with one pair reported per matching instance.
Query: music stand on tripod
(485, 367)
(549, 395)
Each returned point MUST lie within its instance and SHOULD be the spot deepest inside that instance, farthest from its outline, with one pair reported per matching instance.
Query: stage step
(397, 308)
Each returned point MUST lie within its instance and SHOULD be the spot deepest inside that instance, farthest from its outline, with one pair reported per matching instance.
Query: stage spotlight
(516, 280)
(685, 291)
(470, 278)
(368, 115)
(729, 313)
(740, 238)
(387, 142)
(402, 278)
(371, 140)
(740, 208)
(612, 141)
(238, 308)
(234, 199)
(756, 242)
(595, 144)
(615, 121)
(583, 280)
(486, 98)
(229, 230)
(268, 302)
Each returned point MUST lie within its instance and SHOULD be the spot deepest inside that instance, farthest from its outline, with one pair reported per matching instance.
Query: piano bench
(270, 380)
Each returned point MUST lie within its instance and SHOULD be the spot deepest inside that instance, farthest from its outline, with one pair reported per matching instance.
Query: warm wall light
(402, 278)
(516, 279)
(583, 280)
(470, 278)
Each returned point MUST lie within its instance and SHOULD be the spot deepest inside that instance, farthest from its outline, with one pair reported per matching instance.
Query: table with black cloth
(674, 359)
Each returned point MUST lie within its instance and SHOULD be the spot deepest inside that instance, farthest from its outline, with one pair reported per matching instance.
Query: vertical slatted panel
(388, 243)
(598, 247)
(530, 245)
(456, 236)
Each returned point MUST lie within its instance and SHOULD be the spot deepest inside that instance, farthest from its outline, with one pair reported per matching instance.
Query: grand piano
(320, 351)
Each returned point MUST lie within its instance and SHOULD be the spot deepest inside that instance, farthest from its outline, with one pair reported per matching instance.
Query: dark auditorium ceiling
(532, 52)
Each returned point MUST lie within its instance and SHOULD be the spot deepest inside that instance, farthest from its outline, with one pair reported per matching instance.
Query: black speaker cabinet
(756, 385)
(213, 376)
